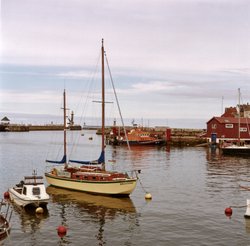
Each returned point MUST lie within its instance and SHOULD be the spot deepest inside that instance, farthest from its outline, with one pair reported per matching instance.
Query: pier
(27, 128)
(171, 136)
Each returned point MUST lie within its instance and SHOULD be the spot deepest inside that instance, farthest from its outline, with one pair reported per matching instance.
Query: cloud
(75, 74)
(162, 35)
(172, 58)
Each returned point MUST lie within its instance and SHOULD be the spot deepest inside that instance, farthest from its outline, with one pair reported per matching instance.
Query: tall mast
(103, 99)
(64, 128)
(239, 117)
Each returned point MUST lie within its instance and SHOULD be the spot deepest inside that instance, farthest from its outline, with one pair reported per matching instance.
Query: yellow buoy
(39, 210)
(148, 196)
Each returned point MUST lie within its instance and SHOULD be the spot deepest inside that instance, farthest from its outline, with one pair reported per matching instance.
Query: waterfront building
(227, 129)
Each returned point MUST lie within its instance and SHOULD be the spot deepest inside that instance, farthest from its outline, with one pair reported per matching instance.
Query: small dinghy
(4, 221)
(30, 192)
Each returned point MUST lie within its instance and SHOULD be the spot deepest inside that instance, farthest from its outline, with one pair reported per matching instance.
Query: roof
(230, 120)
(5, 119)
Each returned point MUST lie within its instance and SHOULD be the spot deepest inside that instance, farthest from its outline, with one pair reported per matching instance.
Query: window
(243, 129)
(24, 190)
(36, 191)
(229, 126)
(214, 126)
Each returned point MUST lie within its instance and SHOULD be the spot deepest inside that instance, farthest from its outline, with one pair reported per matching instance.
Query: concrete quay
(26, 128)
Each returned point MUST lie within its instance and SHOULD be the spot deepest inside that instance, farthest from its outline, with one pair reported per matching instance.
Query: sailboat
(91, 176)
(240, 148)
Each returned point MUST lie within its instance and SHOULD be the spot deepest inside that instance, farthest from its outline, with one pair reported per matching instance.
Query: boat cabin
(31, 186)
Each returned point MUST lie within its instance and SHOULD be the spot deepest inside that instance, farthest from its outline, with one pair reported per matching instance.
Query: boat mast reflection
(100, 208)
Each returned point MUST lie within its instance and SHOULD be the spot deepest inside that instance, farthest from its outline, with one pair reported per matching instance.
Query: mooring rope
(141, 183)
(234, 206)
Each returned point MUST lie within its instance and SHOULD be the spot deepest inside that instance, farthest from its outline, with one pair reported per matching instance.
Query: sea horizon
(45, 119)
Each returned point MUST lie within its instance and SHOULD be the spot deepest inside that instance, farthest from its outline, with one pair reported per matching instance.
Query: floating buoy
(61, 231)
(148, 196)
(247, 214)
(228, 211)
(39, 210)
(6, 195)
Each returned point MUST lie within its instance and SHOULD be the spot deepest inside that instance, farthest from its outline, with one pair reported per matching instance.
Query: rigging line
(92, 76)
(54, 139)
(117, 101)
(87, 99)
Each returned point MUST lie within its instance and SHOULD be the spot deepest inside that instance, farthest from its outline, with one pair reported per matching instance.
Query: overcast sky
(170, 59)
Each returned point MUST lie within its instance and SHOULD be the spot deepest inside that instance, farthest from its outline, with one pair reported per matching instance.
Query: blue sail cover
(101, 160)
(58, 162)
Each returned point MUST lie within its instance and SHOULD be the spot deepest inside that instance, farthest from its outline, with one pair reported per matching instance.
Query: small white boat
(30, 191)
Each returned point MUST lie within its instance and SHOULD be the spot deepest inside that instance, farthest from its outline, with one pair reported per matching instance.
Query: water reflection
(30, 220)
(225, 172)
(99, 208)
(247, 221)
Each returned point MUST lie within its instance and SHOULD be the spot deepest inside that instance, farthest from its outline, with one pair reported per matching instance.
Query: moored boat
(239, 148)
(90, 176)
(236, 149)
(4, 221)
(138, 136)
(30, 191)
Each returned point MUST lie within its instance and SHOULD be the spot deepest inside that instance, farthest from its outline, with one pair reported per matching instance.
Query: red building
(227, 128)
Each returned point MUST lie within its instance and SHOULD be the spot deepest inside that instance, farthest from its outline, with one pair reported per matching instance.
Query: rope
(243, 206)
(119, 109)
(118, 105)
(141, 183)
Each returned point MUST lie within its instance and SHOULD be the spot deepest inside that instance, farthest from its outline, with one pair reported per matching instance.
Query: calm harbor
(190, 187)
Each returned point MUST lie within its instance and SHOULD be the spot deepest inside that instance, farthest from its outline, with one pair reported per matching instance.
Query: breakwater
(26, 128)
(179, 136)
(174, 136)
(187, 137)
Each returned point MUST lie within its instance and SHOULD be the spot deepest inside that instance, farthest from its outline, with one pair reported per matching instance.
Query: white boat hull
(236, 150)
(23, 201)
(124, 187)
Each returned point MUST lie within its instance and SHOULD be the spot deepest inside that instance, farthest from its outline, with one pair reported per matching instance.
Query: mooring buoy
(39, 210)
(148, 196)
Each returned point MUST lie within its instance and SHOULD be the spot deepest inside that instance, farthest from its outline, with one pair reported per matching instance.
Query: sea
(190, 187)
(45, 119)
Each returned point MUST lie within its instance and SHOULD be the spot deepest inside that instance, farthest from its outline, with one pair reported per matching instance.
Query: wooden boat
(30, 191)
(90, 176)
(239, 148)
(138, 136)
(4, 221)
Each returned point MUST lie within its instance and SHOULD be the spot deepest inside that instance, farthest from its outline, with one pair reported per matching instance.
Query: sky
(181, 61)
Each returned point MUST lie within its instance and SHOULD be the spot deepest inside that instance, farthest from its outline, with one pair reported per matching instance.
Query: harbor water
(190, 188)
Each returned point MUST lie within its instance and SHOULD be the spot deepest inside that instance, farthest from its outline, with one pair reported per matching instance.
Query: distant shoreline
(46, 119)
